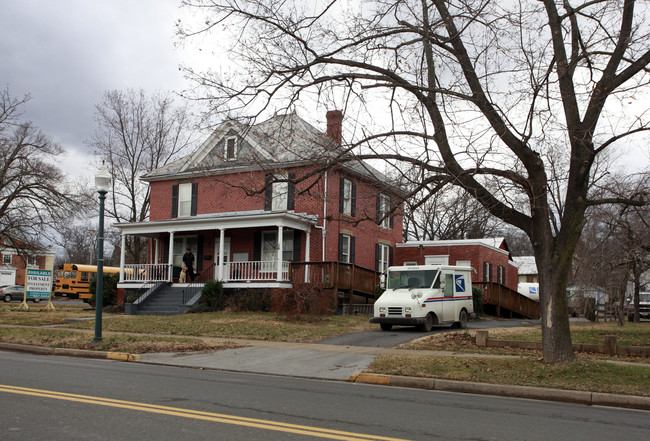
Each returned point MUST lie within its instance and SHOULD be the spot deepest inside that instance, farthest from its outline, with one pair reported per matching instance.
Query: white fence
(232, 272)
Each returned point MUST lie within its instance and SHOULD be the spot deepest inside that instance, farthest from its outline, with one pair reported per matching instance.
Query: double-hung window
(383, 208)
(280, 193)
(184, 200)
(6, 259)
(383, 257)
(346, 195)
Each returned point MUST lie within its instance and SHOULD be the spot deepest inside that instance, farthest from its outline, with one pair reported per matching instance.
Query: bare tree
(615, 247)
(35, 198)
(448, 215)
(136, 134)
(488, 96)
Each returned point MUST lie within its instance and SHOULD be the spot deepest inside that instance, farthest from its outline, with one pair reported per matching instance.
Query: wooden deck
(343, 279)
(502, 301)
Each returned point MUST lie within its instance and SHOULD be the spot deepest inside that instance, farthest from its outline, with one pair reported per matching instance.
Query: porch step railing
(197, 284)
(146, 272)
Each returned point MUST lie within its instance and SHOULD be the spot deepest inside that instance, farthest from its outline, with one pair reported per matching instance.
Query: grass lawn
(135, 344)
(585, 373)
(248, 325)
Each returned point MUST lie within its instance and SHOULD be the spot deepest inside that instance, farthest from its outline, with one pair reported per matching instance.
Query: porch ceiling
(250, 219)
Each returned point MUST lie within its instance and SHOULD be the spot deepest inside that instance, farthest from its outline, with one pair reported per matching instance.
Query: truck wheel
(428, 324)
(385, 326)
(462, 320)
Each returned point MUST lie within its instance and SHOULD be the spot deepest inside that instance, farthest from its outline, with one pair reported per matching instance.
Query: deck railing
(337, 276)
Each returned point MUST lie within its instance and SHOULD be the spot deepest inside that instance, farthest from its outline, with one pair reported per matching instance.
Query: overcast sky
(67, 53)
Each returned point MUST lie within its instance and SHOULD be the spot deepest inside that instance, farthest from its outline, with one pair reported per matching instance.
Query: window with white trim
(184, 200)
(383, 257)
(280, 196)
(270, 249)
(345, 248)
(6, 259)
(231, 149)
(347, 197)
(384, 210)
(31, 261)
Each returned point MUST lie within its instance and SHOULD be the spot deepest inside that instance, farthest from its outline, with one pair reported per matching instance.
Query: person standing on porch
(188, 261)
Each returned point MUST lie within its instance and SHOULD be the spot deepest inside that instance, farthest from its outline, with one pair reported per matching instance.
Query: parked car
(14, 292)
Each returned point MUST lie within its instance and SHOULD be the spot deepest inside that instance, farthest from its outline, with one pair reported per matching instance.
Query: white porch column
(156, 257)
(122, 257)
(307, 252)
(170, 262)
(279, 278)
(222, 239)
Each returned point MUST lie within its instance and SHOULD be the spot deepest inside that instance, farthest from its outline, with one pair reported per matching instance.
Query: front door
(225, 267)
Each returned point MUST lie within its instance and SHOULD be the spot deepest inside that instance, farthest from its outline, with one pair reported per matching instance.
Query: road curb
(536, 393)
(85, 353)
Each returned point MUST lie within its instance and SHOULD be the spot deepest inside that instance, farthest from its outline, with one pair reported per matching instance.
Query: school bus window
(84, 276)
(66, 275)
(73, 275)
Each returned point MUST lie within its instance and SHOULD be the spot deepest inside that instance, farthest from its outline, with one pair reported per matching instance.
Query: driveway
(399, 335)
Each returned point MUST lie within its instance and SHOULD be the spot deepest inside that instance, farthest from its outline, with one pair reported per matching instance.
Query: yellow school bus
(73, 280)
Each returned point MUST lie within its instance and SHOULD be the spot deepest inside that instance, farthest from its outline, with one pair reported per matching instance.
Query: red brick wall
(477, 254)
(228, 193)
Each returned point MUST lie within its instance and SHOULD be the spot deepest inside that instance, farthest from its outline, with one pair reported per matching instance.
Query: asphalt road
(170, 403)
(404, 334)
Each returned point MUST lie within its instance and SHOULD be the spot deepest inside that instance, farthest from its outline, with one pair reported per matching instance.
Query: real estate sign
(39, 284)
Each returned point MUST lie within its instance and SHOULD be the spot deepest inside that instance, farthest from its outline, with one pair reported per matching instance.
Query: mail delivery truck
(424, 296)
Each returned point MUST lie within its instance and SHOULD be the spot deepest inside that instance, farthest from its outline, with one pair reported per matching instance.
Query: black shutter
(199, 250)
(257, 246)
(296, 245)
(340, 248)
(377, 251)
(341, 195)
(390, 256)
(166, 251)
(392, 217)
(353, 203)
(195, 193)
(268, 192)
(292, 192)
(352, 241)
(174, 201)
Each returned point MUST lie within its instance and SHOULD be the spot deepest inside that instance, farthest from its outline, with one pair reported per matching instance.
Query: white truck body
(530, 290)
(425, 295)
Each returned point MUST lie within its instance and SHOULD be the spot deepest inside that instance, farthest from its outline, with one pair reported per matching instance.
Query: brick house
(253, 201)
(490, 257)
(15, 262)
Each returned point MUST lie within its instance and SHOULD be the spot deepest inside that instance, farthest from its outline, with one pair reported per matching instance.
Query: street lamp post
(102, 185)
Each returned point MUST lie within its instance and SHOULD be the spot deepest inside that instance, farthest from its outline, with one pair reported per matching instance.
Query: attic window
(231, 149)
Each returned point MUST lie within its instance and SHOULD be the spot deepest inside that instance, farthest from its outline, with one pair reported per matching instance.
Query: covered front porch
(252, 249)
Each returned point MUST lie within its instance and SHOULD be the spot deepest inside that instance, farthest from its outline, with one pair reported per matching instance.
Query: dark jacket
(188, 260)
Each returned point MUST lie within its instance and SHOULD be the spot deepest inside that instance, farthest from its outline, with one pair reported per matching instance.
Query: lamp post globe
(102, 185)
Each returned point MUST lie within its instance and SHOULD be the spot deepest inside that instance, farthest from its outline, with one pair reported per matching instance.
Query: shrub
(302, 300)
(477, 299)
(109, 292)
(212, 295)
(241, 300)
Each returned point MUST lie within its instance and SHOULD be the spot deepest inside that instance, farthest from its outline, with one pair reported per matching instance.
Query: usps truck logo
(533, 290)
(460, 284)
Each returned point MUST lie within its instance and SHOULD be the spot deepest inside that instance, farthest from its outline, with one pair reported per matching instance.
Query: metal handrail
(197, 284)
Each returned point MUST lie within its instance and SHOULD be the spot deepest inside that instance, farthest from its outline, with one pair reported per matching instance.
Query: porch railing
(262, 271)
(146, 272)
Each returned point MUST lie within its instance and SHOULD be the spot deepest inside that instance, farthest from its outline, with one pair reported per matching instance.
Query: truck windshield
(411, 279)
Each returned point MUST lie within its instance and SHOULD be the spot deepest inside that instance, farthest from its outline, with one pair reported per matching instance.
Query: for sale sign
(39, 284)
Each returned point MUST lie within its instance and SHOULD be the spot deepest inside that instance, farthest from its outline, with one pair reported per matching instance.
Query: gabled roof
(279, 142)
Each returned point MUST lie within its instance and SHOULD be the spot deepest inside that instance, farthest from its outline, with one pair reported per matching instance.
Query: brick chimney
(334, 119)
